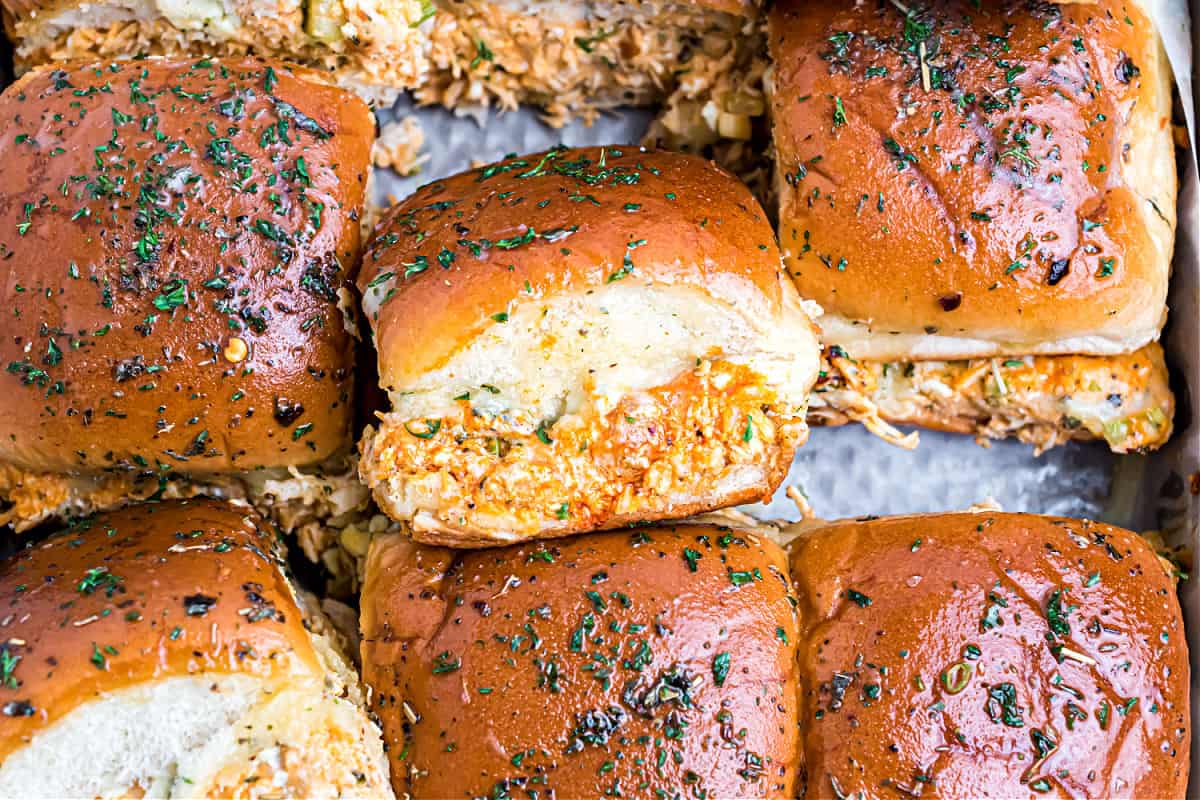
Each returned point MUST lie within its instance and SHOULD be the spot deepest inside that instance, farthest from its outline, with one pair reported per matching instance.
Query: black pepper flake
(197, 605)
(260, 607)
(837, 688)
(286, 411)
(1126, 70)
(18, 708)
(1058, 271)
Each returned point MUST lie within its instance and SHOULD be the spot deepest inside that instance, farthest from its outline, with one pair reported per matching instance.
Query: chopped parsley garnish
(720, 668)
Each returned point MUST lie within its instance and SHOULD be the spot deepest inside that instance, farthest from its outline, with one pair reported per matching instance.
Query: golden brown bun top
(990, 655)
(1016, 185)
(174, 234)
(458, 252)
(658, 658)
(143, 594)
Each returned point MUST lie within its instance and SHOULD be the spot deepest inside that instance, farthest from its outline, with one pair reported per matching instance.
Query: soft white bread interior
(202, 737)
(161, 651)
(550, 356)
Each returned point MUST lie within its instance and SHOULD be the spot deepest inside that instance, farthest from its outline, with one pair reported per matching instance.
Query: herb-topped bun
(160, 650)
(989, 655)
(580, 338)
(966, 180)
(1011, 175)
(650, 662)
(176, 239)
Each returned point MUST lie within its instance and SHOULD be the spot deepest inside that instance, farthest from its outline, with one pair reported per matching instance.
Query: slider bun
(171, 630)
(220, 344)
(989, 655)
(575, 665)
(673, 252)
(1038, 217)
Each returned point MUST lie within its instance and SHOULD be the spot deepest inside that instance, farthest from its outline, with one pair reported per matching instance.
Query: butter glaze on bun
(656, 660)
(175, 234)
(580, 338)
(975, 179)
(989, 655)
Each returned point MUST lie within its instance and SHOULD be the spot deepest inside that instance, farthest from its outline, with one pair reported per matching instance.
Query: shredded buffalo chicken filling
(28, 499)
(471, 53)
(327, 510)
(1041, 400)
(490, 52)
(632, 458)
(375, 44)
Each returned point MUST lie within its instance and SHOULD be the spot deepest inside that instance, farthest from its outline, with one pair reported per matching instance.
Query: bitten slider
(580, 338)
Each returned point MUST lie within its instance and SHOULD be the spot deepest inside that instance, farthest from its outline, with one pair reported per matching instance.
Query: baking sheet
(848, 472)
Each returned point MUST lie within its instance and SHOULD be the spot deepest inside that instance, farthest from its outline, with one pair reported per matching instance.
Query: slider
(580, 338)
(989, 655)
(161, 651)
(177, 241)
(463, 55)
(981, 198)
(651, 662)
